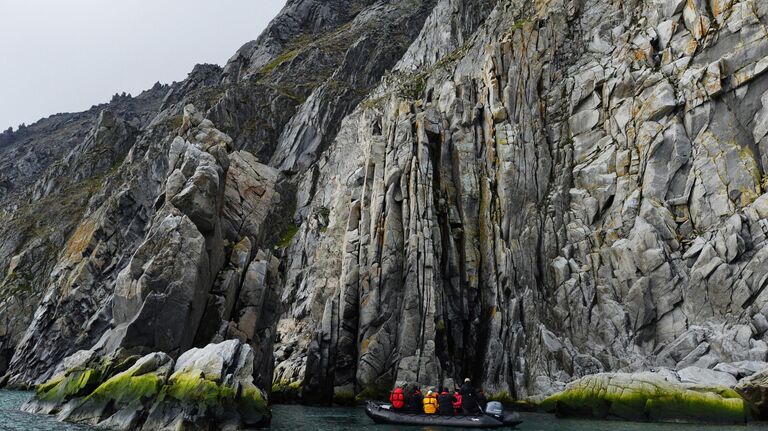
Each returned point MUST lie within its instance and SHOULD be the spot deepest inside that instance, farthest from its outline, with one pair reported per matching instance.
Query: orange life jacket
(397, 398)
(430, 404)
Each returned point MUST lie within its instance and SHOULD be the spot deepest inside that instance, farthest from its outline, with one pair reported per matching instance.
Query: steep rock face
(107, 215)
(546, 204)
(72, 228)
(160, 301)
(524, 193)
(284, 95)
(52, 169)
(159, 297)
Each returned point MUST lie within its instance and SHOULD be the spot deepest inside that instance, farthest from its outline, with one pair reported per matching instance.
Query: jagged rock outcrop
(160, 296)
(159, 303)
(648, 397)
(205, 389)
(754, 389)
(524, 193)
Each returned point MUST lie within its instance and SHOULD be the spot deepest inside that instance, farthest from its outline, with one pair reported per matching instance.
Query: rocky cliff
(522, 192)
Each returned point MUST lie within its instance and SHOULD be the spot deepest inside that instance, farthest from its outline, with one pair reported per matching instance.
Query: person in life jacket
(414, 400)
(457, 403)
(468, 401)
(445, 402)
(430, 403)
(397, 398)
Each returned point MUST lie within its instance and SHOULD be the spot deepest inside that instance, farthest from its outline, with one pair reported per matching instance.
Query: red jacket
(457, 404)
(397, 398)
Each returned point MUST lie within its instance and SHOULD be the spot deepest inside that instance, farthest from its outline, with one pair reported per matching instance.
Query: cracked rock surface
(524, 193)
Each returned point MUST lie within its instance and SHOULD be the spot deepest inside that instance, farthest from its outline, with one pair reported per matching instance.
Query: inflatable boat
(385, 414)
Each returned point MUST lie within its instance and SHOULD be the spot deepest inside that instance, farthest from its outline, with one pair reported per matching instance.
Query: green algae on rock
(211, 387)
(127, 393)
(195, 388)
(206, 388)
(198, 397)
(646, 397)
(76, 382)
(286, 391)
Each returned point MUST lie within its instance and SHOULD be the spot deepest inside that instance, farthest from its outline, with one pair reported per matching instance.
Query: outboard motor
(495, 409)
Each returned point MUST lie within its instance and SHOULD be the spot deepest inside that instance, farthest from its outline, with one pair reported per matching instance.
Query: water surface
(294, 418)
(13, 419)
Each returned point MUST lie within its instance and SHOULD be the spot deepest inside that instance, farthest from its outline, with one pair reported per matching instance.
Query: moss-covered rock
(212, 387)
(502, 397)
(191, 395)
(209, 388)
(134, 390)
(76, 382)
(646, 397)
(124, 389)
(344, 396)
(286, 391)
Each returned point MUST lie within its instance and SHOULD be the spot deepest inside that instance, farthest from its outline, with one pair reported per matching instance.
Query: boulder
(741, 369)
(211, 387)
(122, 400)
(754, 389)
(205, 389)
(646, 396)
(706, 377)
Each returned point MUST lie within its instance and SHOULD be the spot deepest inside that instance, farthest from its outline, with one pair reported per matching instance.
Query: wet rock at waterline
(754, 389)
(208, 388)
(648, 397)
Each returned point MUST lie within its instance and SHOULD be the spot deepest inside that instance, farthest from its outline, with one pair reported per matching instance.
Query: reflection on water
(290, 418)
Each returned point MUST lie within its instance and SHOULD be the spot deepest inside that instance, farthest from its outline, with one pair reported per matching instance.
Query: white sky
(67, 55)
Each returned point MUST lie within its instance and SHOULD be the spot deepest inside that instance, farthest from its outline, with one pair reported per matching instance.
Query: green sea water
(293, 417)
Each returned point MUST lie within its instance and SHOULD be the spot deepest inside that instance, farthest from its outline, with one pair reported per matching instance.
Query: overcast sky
(67, 55)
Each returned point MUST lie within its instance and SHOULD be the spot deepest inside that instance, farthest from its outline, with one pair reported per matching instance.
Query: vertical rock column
(161, 295)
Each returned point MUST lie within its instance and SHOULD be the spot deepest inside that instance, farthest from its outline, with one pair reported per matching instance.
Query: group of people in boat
(465, 400)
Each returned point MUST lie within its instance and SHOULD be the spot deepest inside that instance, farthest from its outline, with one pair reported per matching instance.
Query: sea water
(13, 419)
(294, 417)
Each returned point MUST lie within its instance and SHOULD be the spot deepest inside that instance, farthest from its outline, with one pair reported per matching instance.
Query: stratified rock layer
(540, 204)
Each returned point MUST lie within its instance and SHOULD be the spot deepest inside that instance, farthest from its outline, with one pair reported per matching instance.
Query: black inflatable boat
(384, 414)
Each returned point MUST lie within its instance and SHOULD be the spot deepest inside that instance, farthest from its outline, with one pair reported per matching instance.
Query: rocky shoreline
(208, 388)
(649, 397)
(211, 388)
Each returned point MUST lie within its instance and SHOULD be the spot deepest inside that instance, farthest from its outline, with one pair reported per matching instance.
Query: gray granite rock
(208, 388)
(492, 195)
